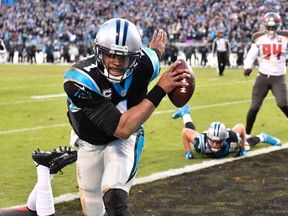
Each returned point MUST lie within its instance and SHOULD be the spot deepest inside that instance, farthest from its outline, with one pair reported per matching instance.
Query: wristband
(158, 53)
(156, 95)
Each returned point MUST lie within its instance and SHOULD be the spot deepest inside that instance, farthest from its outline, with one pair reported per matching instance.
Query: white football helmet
(271, 22)
(217, 133)
(118, 37)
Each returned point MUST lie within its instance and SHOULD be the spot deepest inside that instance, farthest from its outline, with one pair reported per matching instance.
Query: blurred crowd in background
(64, 30)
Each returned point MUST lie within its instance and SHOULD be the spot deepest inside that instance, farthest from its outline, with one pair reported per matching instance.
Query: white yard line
(49, 96)
(37, 98)
(34, 128)
(155, 113)
(28, 101)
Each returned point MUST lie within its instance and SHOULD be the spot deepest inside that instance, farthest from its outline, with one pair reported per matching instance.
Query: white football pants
(104, 167)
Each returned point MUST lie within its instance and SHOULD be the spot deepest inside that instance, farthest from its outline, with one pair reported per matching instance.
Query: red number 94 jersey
(271, 53)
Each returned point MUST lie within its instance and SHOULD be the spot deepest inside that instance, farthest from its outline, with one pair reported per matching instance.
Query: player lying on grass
(218, 141)
(40, 200)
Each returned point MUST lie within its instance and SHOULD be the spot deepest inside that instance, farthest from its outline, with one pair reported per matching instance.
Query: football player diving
(218, 141)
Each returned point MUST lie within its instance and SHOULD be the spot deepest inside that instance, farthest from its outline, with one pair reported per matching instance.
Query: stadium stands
(36, 22)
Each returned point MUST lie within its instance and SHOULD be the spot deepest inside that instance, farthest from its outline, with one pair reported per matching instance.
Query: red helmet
(271, 22)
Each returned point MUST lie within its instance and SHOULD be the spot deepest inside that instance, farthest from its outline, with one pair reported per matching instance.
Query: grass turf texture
(27, 123)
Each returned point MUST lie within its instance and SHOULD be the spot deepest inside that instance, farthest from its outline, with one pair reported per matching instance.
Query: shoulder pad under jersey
(283, 33)
(85, 64)
(256, 35)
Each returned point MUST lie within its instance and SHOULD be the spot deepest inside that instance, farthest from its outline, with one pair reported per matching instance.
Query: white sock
(187, 118)
(261, 138)
(31, 202)
(44, 201)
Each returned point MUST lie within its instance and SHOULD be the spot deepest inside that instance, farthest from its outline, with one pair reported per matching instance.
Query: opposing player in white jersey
(270, 48)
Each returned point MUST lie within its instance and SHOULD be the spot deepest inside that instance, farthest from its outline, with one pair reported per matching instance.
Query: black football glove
(247, 72)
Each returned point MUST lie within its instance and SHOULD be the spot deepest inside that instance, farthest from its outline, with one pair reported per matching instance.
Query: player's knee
(254, 109)
(116, 202)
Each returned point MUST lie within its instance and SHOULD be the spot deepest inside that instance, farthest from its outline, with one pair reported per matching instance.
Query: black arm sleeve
(106, 116)
(95, 109)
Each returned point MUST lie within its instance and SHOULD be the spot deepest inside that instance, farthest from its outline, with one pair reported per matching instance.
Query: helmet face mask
(118, 40)
(271, 22)
(217, 135)
(216, 145)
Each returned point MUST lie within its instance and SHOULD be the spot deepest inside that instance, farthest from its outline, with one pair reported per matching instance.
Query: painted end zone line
(186, 169)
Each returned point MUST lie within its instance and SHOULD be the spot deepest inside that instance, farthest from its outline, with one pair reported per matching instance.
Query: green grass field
(28, 122)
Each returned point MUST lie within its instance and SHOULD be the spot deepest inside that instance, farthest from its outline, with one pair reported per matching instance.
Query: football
(181, 95)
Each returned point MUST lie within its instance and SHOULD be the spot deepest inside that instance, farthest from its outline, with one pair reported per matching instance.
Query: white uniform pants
(104, 167)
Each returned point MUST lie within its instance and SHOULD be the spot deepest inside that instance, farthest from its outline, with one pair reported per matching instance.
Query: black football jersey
(95, 105)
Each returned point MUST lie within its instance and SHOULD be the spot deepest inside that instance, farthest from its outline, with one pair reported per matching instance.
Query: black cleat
(62, 161)
(55, 160)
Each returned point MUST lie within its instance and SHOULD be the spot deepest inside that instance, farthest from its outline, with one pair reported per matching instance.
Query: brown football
(181, 95)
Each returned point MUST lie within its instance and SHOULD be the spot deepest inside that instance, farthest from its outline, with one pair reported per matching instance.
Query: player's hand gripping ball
(181, 95)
